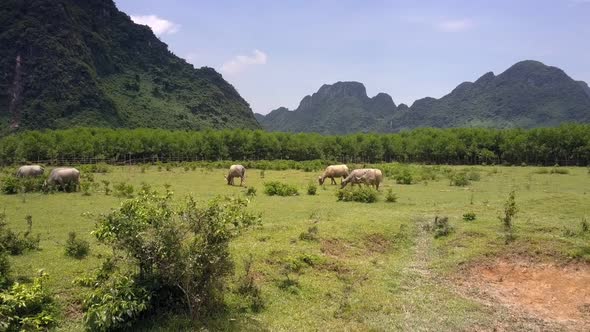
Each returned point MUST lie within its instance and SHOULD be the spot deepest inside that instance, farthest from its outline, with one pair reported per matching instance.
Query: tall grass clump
(276, 188)
(390, 197)
(76, 247)
(312, 189)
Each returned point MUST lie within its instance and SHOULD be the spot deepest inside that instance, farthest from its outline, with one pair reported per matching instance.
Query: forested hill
(70, 63)
(527, 95)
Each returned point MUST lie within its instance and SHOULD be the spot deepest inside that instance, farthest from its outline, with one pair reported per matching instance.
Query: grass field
(369, 267)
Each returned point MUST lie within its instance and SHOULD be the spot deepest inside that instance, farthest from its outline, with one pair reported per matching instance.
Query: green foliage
(75, 247)
(469, 216)
(12, 185)
(124, 190)
(312, 189)
(312, 234)
(280, 151)
(556, 170)
(584, 225)
(251, 192)
(180, 253)
(106, 187)
(510, 211)
(390, 197)
(459, 179)
(25, 307)
(441, 227)
(504, 101)
(405, 177)
(359, 194)
(17, 243)
(280, 189)
(249, 288)
(118, 75)
(116, 304)
(4, 269)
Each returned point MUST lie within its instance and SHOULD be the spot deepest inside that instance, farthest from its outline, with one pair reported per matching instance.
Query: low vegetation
(358, 194)
(276, 188)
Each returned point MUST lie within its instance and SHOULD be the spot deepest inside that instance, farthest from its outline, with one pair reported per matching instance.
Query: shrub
(510, 210)
(75, 247)
(279, 189)
(556, 170)
(361, 194)
(441, 227)
(85, 187)
(312, 189)
(584, 225)
(4, 269)
(123, 190)
(404, 177)
(179, 254)
(106, 185)
(469, 216)
(250, 192)
(390, 197)
(17, 243)
(473, 175)
(116, 304)
(12, 185)
(310, 235)
(27, 307)
(459, 179)
(248, 287)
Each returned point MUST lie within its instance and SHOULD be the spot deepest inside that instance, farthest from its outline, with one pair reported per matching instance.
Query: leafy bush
(473, 175)
(510, 211)
(280, 189)
(12, 185)
(310, 235)
(248, 287)
(171, 252)
(390, 197)
(17, 243)
(251, 192)
(75, 247)
(116, 304)
(25, 307)
(459, 179)
(85, 187)
(312, 189)
(404, 177)
(361, 194)
(4, 269)
(469, 216)
(124, 190)
(556, 170)
(441, 227)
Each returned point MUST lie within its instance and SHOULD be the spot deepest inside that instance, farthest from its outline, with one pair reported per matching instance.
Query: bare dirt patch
(377, 243)
(335, 247)
(547, 291)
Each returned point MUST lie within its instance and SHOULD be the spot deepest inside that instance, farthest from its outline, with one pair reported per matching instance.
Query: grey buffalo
(236, 171)
(368, 176)
(333, 171)
(30, 171)
(64, 177)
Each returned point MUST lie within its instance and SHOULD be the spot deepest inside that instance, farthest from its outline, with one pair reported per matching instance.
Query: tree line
(564, 145)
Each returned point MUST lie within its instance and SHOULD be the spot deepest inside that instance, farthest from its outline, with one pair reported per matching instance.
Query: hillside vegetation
(527, 95)
(71, 63)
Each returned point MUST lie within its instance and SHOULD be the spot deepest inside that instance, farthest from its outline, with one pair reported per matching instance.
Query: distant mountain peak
(528, 94)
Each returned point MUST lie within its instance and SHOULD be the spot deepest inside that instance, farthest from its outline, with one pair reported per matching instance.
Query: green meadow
(323, 264)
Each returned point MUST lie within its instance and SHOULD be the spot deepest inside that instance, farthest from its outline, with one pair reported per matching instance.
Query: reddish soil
(545, 291)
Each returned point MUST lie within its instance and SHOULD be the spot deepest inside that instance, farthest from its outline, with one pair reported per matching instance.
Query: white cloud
(158, 25)
(455, 25)
(240, 62)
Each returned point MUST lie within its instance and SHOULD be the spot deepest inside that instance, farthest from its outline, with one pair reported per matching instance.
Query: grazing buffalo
(334, 171)
(368, 176)
(30, 171)
(64, 177)
(236, 171)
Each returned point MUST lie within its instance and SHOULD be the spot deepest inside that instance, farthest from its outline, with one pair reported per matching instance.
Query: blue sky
(276, 52)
